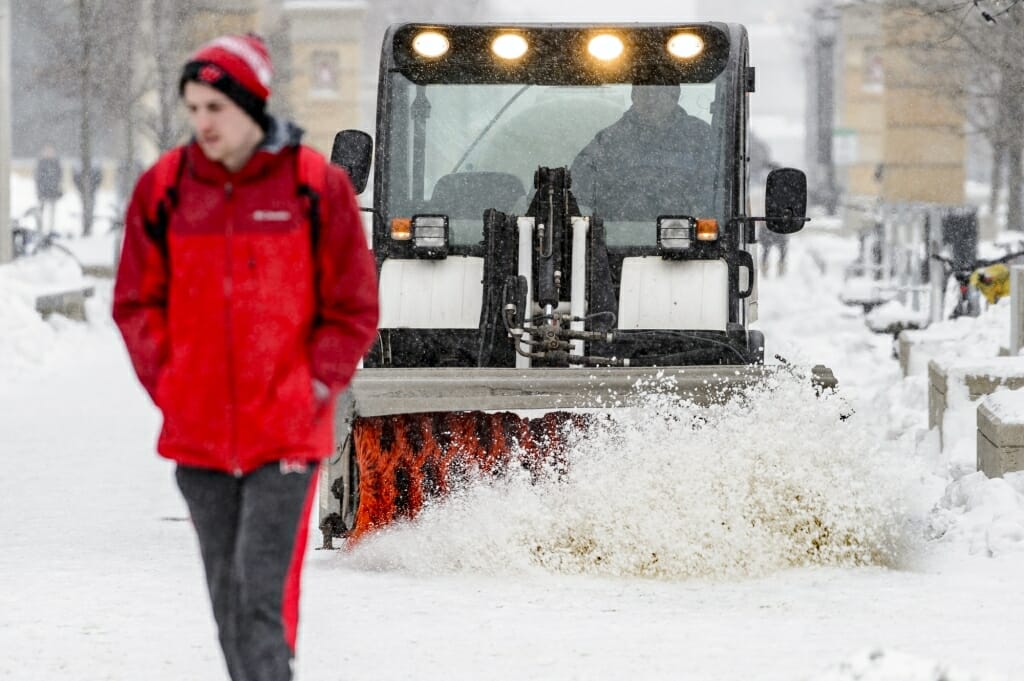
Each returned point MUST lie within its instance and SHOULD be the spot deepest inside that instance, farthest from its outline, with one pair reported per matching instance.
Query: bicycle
(29, 241)
(967, 305)
(24, 237)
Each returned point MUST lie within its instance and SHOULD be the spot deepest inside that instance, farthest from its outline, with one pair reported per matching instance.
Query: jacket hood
(280, 138)
(280, 135)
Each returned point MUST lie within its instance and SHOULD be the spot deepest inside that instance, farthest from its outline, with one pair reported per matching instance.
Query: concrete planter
(979, 377)
(1000, 439)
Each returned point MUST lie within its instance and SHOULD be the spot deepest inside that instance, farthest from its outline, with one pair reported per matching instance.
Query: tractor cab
(624, 147)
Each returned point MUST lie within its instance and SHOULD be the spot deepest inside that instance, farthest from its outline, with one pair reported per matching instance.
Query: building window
(874, 71)
(324, 76)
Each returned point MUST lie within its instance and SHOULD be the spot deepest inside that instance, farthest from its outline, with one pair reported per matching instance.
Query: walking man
(246, 296)
(49, 178)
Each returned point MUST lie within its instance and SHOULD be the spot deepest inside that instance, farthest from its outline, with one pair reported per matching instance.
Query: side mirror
(353, 151)
(785, 200)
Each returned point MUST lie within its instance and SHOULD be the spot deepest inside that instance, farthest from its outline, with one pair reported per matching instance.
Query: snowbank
(981, 516)
(27, 342)
(964, 337)
(893, 314)
(985, 515)
(1008, 405)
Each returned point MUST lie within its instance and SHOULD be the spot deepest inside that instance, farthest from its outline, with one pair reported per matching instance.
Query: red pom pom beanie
(237, 65)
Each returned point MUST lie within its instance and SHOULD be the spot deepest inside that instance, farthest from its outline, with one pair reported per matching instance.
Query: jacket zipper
(228, 293)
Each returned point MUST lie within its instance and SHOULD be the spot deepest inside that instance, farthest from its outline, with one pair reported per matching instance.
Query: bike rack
(895, 255)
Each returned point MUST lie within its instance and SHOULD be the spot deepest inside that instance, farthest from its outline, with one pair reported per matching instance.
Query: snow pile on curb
(773, 480)
(893, 313)
(965, 337)
(986, 515)
(884, 665)
(27, 342)
(26, 338)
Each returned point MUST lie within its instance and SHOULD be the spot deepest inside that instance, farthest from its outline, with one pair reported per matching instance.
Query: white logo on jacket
(271, 216)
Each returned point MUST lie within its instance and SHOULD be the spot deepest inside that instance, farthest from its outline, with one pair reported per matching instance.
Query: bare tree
(91, 54)
(991, 34)
(170, 21)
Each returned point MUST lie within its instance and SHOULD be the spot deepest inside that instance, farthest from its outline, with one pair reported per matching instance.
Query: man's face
(656, 101)
(223, 130)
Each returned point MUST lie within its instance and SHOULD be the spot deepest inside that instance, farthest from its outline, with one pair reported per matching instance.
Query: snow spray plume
(774, 478)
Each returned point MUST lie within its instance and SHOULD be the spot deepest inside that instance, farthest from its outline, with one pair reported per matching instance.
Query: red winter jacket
(229, 321)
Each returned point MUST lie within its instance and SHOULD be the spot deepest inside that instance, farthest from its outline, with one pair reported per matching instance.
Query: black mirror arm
(749, 222)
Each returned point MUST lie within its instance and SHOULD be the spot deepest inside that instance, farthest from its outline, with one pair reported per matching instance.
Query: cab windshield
(635, 152)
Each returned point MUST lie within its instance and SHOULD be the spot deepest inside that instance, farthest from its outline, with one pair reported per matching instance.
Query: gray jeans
(252, 535)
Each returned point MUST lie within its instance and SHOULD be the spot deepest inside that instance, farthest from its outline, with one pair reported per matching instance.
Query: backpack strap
(312, 178)
(164, 196)
(311, 173)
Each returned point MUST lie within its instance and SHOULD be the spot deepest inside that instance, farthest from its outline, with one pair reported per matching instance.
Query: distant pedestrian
(49, 181)
(761, 165)
(246, 295)
(770, 241)
(88, 193)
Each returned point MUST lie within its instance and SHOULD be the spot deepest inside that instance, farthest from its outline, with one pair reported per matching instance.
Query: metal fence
(894, 263)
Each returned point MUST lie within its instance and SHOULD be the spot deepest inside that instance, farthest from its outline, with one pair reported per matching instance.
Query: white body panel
(525, 226)
(674, 294)
(578, 295)
(431, 294)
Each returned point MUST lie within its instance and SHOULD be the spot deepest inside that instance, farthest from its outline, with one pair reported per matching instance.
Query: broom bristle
(407, 459)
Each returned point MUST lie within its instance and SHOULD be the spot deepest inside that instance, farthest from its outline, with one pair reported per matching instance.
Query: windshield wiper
(490, 125)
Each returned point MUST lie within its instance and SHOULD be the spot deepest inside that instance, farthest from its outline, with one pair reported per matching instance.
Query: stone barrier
(1001, 433)
(977, 377)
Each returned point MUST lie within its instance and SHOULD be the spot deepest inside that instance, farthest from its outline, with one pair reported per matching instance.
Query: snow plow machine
(530, 262)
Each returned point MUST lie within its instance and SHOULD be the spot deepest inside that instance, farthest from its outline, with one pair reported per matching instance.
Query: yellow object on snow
(993, 281)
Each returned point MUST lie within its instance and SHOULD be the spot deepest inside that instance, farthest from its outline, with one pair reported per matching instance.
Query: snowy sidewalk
(101, 578)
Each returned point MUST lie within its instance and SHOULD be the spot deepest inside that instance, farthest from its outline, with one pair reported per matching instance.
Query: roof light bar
(509, 46)
(606, 47)
(430, 44)
(685, 45)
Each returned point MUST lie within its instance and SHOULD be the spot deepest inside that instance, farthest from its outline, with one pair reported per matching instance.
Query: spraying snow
(777, 478)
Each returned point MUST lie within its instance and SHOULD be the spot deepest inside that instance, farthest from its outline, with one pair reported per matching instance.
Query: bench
(70, 303)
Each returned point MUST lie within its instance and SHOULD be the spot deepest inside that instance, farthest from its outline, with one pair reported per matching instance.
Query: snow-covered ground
(670, 553)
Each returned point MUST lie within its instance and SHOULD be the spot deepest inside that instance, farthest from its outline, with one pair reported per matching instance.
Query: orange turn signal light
(401, 229)
(707, 229)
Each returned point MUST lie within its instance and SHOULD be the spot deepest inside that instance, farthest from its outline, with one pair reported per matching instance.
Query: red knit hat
(237, 65)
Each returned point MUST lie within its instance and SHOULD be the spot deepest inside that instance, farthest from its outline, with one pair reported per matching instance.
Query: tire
(755, 347)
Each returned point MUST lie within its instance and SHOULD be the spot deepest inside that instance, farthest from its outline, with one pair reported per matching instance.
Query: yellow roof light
(430, 44)
(685, 45)
(509, 46)
(605, 47)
